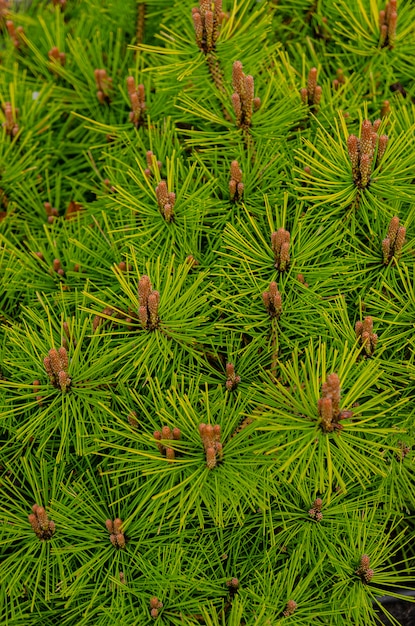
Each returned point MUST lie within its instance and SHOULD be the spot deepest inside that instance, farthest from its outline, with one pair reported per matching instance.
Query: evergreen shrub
(207, 307)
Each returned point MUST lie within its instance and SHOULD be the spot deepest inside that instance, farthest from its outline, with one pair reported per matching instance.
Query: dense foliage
(207, 309)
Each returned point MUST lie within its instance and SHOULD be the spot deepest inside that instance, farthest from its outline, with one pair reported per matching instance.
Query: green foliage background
(90, 454)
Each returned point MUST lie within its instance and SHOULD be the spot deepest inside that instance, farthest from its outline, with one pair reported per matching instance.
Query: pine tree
(207, 311)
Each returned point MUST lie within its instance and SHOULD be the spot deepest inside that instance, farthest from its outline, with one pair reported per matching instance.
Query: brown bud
(333, 385)
(219, 451)
(365, 163)
(209, 432)
(209, 30)
(257, 103)
(162, 194)
(153, 305)
(149, 158)
(311, 84)
(364, 561)
(210, 458)
(393, 18)
(64, 381)
(55, 361)
(130, 85)
(170, 455)
(368, 324)
(383, 142)
(109, 525)
(216, 432)
(368, 575)
(166, 433)
(34, 522)
(48, 367)
(317, 95)
(366, 343)
(198, 26)
(273, 289)
(117, 525)
(277, 304)
(366, 137)
(318, 503)
(168, 212)
(340, 76)
(289, 608)
(393, 229)
(143, 316)
(63, 355)
(144, 289)
(284, 256)
(236, 172)
(399, 241)
(238, 78)
(42, 517)
(237, 107)
(376, 125)
(386, 108)
(326, 412)
(132, 419)
(386, 250)
(66, 329)
(230, 370)
(232, 188)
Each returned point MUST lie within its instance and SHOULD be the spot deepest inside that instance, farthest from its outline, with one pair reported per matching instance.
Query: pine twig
(141, 18)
